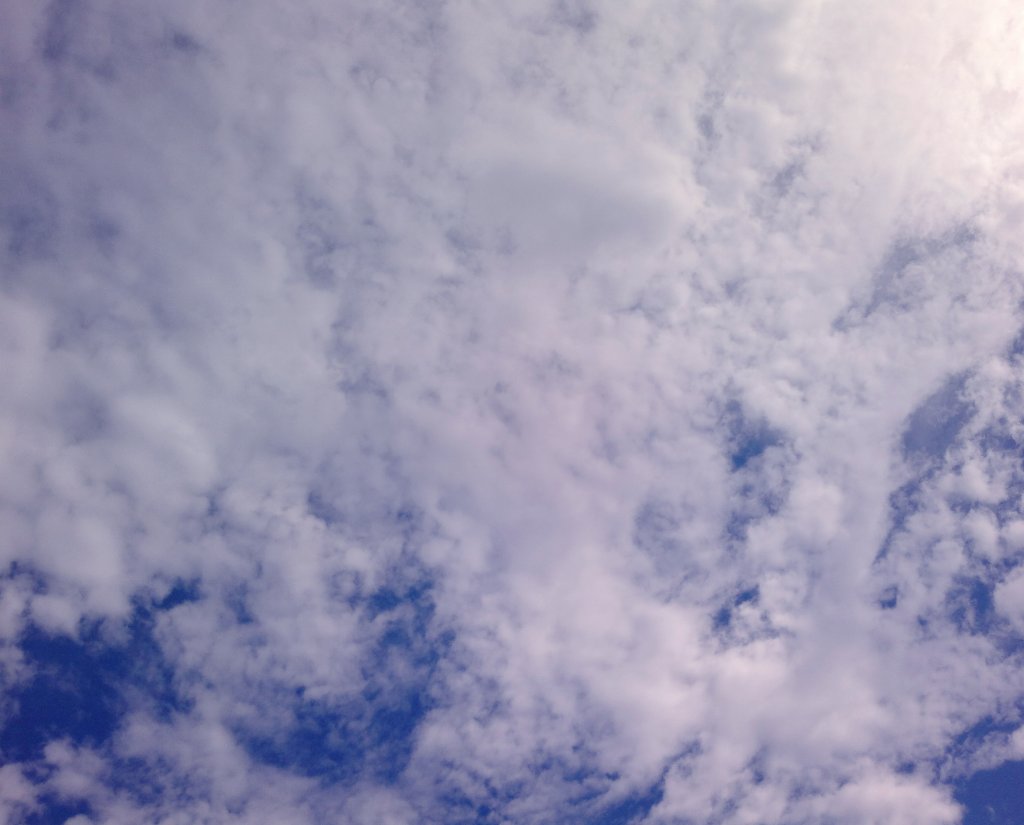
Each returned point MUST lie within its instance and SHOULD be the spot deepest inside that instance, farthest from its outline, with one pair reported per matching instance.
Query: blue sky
(535, 413)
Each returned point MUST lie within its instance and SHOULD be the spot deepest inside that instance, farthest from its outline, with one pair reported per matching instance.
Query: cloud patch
(421, 413)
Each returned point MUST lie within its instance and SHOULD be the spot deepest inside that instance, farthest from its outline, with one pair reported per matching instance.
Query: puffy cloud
(431, 413)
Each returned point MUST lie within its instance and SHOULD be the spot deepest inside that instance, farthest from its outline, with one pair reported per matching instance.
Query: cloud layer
(442, 412)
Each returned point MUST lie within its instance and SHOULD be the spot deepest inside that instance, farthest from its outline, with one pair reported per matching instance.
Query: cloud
(431, 413)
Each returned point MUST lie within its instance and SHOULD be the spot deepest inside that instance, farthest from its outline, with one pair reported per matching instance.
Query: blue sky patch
(993, 797)
(79, 688)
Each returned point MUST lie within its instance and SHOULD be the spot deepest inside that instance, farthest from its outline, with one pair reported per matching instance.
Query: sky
(536, 412)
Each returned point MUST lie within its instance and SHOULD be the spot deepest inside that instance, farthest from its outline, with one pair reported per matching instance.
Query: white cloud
(630, 386)
(1009, 597)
